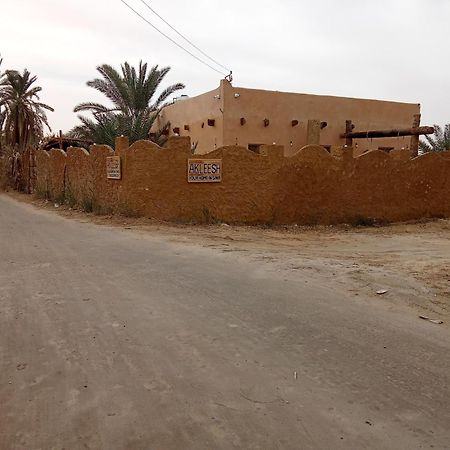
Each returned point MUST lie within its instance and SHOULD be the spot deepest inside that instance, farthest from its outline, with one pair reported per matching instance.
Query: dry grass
(4, 181)
(5, 174)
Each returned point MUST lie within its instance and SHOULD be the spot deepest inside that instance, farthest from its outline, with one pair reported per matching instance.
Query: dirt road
(220, 338)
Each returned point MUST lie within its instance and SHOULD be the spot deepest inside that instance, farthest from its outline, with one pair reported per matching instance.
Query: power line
(184, 37)
(170, 39)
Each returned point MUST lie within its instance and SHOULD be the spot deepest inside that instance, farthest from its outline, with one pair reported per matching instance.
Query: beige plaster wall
(280, 108)
(310, 187)
(195, 112)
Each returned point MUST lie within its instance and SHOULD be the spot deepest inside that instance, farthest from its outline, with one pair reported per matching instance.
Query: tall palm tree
(22, 116)
(132, 109)
(439, 142)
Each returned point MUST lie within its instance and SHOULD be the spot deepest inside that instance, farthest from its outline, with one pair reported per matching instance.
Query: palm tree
(440, 141)
(133, 109)
(22, 115)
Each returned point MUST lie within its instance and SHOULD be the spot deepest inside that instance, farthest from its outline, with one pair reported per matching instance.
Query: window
(254, 147)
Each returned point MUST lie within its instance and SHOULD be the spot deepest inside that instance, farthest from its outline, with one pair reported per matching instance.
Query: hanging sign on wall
(204, 170)
(113, 168)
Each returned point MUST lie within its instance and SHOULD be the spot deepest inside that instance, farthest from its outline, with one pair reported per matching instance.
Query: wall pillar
(313, 132)
(179, 143)
(122, 143)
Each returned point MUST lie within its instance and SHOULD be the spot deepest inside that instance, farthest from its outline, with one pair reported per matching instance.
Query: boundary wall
(310, 187)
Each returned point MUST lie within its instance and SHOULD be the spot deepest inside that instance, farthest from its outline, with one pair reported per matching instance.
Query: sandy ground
(126, 334)
(409, 260)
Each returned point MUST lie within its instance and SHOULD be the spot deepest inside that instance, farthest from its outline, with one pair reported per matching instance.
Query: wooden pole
(415, 137)
(348, 129)
(388, 133)
(60, 140)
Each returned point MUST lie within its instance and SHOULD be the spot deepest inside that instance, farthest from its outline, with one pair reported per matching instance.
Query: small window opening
(254, 147)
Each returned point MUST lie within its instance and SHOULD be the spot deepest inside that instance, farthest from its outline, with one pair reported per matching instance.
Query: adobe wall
(310, 187)
(281, 108)
(42, 173)
(79, 176)
(319, 188)
(194, 113)
(57, 165)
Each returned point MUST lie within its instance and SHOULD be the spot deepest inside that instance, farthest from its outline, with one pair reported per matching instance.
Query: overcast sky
(384, 49)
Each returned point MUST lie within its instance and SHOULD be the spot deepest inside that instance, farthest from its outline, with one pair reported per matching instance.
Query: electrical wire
(184, 37)
(171, 40)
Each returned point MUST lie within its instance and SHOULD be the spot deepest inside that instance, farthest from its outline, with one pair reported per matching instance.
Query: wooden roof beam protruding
(388, 133)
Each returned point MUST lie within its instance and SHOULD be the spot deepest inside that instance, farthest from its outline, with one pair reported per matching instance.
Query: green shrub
(87, 205)
(70, 198)
(208, 218)
(42, 194)
(61, 198)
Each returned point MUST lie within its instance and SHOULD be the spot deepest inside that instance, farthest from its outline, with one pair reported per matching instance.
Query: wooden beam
(388, 133)
(348, 129)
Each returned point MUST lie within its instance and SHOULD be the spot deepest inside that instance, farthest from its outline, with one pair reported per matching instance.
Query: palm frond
(132, 113)
(438, 142)
(22, 116)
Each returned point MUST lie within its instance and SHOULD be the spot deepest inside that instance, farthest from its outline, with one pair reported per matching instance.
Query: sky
(385, 49)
